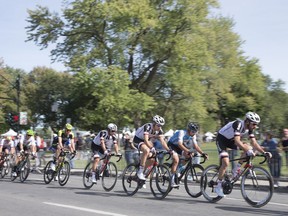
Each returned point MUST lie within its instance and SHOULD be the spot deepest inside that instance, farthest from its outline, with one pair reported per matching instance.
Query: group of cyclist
(183, 143)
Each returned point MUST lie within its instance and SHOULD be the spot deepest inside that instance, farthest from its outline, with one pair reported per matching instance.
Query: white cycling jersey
(235, 128)
(109, 140)
(147, 129)
(5, 142)
(27, 141)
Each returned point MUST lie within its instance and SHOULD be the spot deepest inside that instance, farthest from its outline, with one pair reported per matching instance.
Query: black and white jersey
(147, 129)
(109, 140)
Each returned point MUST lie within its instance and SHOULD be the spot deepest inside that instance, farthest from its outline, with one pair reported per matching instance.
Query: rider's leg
(145, 152)
(94, 167)
(224, 157)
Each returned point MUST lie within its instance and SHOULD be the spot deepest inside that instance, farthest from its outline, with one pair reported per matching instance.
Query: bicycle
(256, 183)
(192, 175)
(23, 168)
(159, 175)
(5, 164)
(62, 169)
(107, 172)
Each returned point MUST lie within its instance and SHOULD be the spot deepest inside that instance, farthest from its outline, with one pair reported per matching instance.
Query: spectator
(284, 144)
(270, 145)
(129, 148)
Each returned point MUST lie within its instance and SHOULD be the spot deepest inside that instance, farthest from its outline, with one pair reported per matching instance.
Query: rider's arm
(163, 142)
(147, 142)
(102, 143)
(240, 144)
(60, 142)
(255, 144)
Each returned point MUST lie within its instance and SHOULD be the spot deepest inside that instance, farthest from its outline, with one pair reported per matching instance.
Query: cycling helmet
(159, 120)
(193, 127)
(112, 127)
(30, 132)
(68, 126)
(253, 117)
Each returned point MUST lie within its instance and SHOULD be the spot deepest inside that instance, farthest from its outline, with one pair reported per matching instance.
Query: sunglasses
(159, 125)
(113, 131)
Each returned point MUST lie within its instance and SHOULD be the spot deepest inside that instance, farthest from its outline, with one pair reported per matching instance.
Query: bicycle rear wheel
(109, 176)
(25, 170)
(48, 173)
(64, 173)
(192, 180)
(160, 181)
(257, 187)
(208, 181)
(130, 180)
(87, 176)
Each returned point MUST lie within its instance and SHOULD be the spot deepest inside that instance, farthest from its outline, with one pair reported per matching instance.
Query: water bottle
(147, 170)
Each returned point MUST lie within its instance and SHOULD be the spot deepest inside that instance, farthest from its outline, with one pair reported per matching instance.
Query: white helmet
(253, 117)
(112, 127)
(159, 120)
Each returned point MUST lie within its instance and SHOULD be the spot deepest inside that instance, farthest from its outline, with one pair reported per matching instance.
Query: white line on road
(84, 209)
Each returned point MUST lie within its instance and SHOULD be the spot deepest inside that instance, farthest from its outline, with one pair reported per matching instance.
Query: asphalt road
(34, 197)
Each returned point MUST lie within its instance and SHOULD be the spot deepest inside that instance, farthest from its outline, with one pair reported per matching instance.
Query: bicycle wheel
(25, 170)
(87, 176)
(48, 173)
(257, 187)
(109, 176)
(192, 180)
(64, 173)
(130, 181)
(208, 182)
(160, 183)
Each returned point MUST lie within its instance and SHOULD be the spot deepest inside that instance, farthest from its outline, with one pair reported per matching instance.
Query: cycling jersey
(184, 137)
(7, 144)
(146, 129)
(66, 138)
(27, 141)
(225, 137)
(109, 140)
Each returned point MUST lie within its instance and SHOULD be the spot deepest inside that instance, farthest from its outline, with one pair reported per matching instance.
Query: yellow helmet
(30, 132)
(68, 126)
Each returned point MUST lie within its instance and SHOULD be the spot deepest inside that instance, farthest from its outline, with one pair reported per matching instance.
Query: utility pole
(17, 86)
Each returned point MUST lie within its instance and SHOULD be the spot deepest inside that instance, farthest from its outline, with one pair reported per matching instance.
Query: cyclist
(102, 145)
(65, 139)
(25, 143)
(143, 140)
(7, 146)
(230, 136)
(184, 142)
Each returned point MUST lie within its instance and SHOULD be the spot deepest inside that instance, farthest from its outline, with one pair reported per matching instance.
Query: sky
(261, 24)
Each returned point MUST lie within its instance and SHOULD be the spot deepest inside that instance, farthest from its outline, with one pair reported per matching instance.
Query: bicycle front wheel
(192, 180)
(87, 176)
(257, 187)
(208, 182)
(25, 170)
(130, 180)
(109, 176)
(48, 173)
(160, 181)
(64, 173)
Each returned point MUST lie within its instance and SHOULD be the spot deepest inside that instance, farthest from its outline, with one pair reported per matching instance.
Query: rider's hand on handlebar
(267, 154)
(205, 155)
(153, 150)
(250, 152)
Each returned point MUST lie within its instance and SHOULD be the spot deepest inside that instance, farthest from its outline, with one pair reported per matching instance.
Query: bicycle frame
(188, 165)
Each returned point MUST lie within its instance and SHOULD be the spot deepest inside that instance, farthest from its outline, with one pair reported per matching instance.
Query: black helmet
(193, 127)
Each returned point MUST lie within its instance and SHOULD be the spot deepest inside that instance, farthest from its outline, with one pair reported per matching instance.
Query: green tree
(102, 95)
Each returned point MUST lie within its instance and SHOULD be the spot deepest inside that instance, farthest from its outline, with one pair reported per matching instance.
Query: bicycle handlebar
(110, 155)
